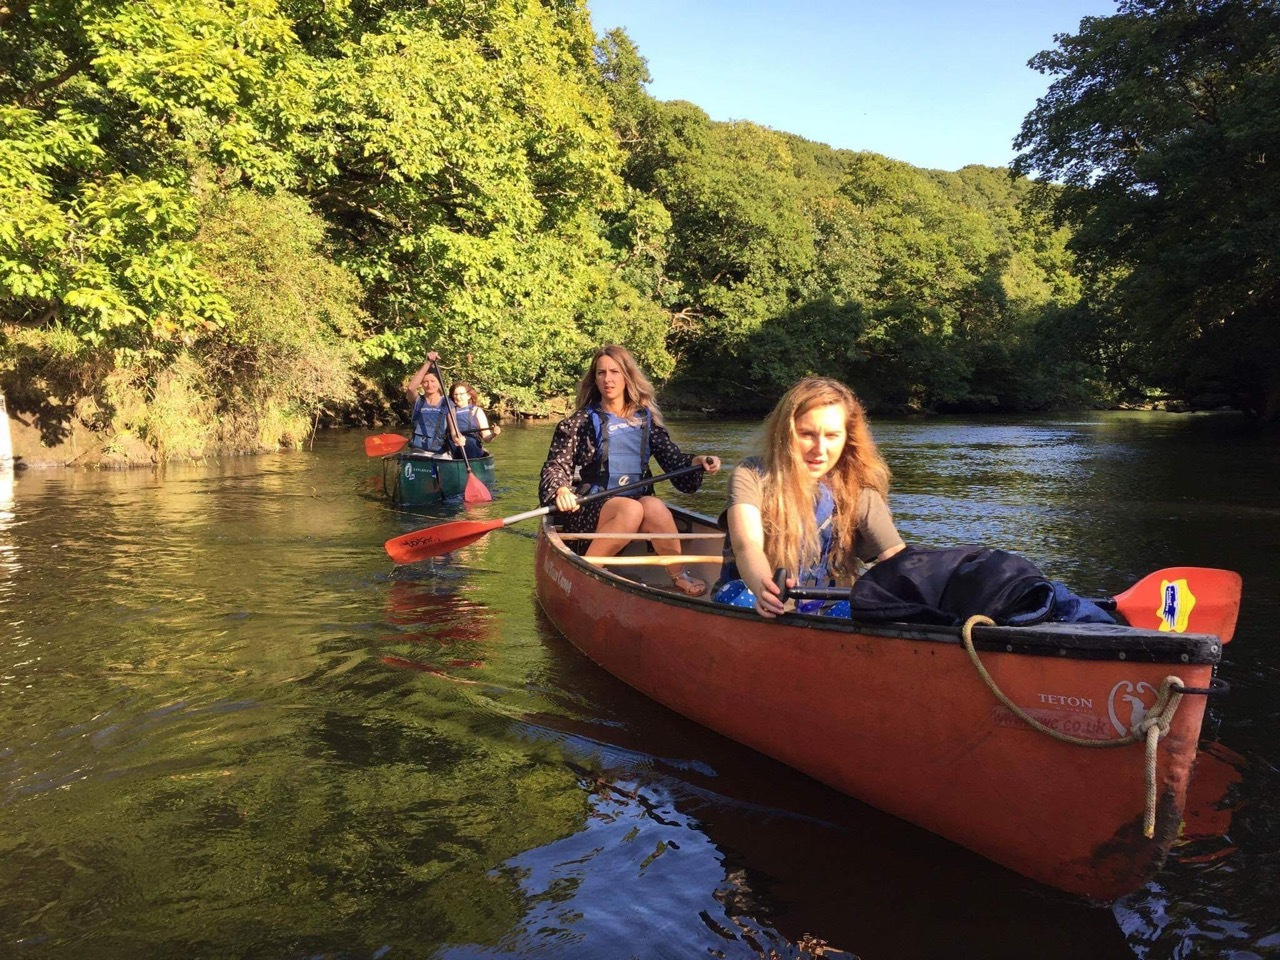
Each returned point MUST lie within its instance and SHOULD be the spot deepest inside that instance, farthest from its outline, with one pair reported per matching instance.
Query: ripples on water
(232, 729)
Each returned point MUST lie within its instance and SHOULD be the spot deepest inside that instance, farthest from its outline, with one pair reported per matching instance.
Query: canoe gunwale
(1067, 641)
(422, 455)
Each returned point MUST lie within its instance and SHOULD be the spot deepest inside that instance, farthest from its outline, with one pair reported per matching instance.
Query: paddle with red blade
(475, 490)
(1182, 600)
(383, 444)
(444, 537)
(1175, 599)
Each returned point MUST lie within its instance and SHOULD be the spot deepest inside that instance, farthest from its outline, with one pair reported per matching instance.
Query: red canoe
(899, 717)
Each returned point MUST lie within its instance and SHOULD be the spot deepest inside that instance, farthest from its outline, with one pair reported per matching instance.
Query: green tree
(295, 318)
(741, 243)
(460, 157)
(101, 106)
(1161, 129)
(464, 158)
(106, 109)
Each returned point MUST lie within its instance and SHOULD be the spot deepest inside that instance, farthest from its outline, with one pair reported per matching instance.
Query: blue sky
(937, 84)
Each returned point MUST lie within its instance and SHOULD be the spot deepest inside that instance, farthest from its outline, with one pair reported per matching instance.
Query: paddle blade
(475, 491)
(383, 444)
(437, 540)
(1184, 600)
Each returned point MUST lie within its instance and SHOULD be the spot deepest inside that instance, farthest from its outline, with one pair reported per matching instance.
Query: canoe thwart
(657, 560)
(639, 536)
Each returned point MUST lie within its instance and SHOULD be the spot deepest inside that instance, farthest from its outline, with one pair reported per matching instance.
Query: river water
(229, 727)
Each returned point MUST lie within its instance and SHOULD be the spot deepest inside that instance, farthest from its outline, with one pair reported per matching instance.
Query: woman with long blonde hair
(813, 503)
(606, 443)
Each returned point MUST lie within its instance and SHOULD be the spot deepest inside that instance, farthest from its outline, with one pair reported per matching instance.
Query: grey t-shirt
(875, 533)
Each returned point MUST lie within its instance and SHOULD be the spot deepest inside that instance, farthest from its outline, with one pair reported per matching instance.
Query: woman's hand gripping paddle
(475, 490)
(1175, 599)
(444, 537)
(383, 444)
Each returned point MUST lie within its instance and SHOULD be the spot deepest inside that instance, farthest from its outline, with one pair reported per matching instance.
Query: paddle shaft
(444, 537)
(477, 432)
(475, 491)
(1214, 613)
(448, 409)
(842, 593)
(604, 495)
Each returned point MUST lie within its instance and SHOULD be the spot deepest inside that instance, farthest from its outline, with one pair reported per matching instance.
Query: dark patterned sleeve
(670, 458)
(572, 446)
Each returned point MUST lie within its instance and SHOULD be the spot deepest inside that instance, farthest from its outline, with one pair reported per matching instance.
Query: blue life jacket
(814, 575)
(824, 513)
(430, 425)
(468, 419)
(622, 451)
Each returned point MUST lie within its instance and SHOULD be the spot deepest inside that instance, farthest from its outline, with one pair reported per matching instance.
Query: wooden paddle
(444, 537)
(1175, 599)
(383, 444)
(475, 490)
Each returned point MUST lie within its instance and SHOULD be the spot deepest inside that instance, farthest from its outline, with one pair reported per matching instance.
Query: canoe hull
(900, 719)
(415, 478)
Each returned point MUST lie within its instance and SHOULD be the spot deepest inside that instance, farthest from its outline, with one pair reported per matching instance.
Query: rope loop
(1151, 728)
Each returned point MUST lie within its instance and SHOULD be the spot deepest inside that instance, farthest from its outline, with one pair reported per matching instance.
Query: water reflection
(780, 858)
(634, 839)
(10, 565)
(229, 727)
(447, 632)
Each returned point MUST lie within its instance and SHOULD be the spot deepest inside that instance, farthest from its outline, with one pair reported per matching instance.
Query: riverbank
(74, 443)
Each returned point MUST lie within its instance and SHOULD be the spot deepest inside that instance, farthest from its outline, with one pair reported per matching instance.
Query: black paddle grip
(786, 593)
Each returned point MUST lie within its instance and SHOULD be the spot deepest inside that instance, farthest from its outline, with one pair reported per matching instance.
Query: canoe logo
(408, 471)
(558, 578)
(1127, 704)
(1176, 604)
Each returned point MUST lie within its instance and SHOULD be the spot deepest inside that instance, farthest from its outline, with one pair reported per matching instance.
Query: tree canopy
(1162, 131)
(222, 223)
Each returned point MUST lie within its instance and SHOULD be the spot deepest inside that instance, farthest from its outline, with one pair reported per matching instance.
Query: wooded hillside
(222, 223)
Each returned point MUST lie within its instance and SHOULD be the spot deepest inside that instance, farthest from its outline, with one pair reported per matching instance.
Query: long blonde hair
(638, 392)
(790, 532)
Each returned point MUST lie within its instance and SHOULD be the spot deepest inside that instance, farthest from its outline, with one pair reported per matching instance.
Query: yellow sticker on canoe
(1176, 604)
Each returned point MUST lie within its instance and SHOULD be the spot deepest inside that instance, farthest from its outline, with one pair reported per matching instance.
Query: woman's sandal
(688, 584)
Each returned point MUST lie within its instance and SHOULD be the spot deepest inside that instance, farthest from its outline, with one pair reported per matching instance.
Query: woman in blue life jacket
(432, 429)
(813, 503)
(607, 442)
(471, 420)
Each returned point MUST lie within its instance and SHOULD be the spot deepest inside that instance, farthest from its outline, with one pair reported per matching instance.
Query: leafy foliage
(1161, 128)
(296, 317)
(222, 221)
(920, 288)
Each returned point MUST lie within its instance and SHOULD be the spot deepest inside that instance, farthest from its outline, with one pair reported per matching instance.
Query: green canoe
(414, 478)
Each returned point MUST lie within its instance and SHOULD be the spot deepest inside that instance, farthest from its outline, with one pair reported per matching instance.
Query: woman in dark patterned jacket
(607, 442)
